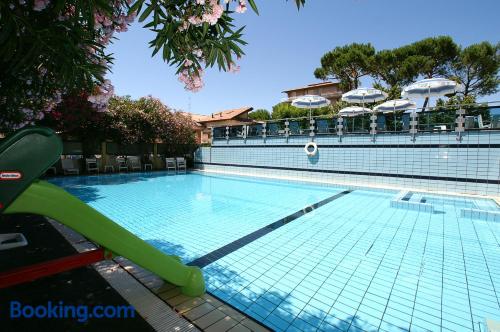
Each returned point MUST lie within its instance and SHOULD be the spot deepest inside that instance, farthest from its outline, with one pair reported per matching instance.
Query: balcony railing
(458, 119)
(325, 95)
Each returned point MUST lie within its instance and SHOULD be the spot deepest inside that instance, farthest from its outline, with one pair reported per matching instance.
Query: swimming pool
(304, 257)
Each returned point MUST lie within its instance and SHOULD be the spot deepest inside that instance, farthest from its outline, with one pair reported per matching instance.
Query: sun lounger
(406, 121)
(272, 129)
(381, 124)
(322, 126)
(255, 130)
(294, 128)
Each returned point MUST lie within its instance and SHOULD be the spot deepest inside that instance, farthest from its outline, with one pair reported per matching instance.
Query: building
(233, 117)
(329, 90)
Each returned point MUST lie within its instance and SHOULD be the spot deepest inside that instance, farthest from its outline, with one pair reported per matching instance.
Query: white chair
(170, 164)
(469, 122)
(181, 163)
(122, 164)
(91, 165)
(480, 121)
(70, 166)
(134, 163)
(110, 164)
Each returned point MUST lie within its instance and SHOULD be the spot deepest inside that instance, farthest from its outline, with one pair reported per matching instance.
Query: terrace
(430, 120)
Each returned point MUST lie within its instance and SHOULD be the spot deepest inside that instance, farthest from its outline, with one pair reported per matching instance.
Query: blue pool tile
(259, 310)
(387, 326)
(328, 299)
(273, 298)
(304, 325)
(278, 322)
(334, 324)
(423, 324)
(292, 328)
(310, 319)
(457, 323)
(362, 325)
(403, 309)
(266, 304)
(320, 305)
(238, 304)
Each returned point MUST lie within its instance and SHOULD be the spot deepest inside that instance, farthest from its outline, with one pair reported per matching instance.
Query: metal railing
(454, 118)
(324, 94)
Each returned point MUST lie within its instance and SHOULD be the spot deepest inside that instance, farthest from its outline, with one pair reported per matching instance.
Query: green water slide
(25, 156)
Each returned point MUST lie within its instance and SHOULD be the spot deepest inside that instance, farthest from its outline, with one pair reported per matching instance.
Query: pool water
(304, 257)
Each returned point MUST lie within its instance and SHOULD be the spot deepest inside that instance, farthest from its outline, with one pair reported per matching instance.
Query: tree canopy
(429, 57)
(128, 121)
(260, 114)
(475, 66)
(286, 111)
(347, 64)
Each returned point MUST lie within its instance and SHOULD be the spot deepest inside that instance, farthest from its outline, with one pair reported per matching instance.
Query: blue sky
(285, 46)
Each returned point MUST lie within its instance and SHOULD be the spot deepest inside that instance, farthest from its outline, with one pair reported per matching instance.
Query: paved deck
(183, 313)
(82, 286)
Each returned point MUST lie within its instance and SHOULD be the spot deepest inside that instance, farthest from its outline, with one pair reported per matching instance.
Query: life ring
(311, 149)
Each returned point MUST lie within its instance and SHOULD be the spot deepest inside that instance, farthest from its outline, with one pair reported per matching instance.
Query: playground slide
(43, 198)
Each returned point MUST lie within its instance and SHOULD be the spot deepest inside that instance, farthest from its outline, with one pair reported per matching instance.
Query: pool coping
(160, 303)
(345, 184)
(350, 185)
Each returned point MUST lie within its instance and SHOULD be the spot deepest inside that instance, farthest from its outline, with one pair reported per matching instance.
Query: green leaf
(136, 6)
(146, 12)
(205, 28)
(254, 6)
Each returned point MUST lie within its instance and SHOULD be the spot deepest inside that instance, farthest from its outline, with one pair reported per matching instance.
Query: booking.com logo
(81, 313)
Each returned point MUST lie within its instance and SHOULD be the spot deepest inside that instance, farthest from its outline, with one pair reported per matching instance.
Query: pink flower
(101, 95)
(233, 68)
(198, 53)
(98, 18)
(194, 20)
(184, 26)
(39, 5)
(214, 12)
(192, 81)
(107, 22)
(105, 39)
(242, 7)
(130, 18)
(188, 63)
